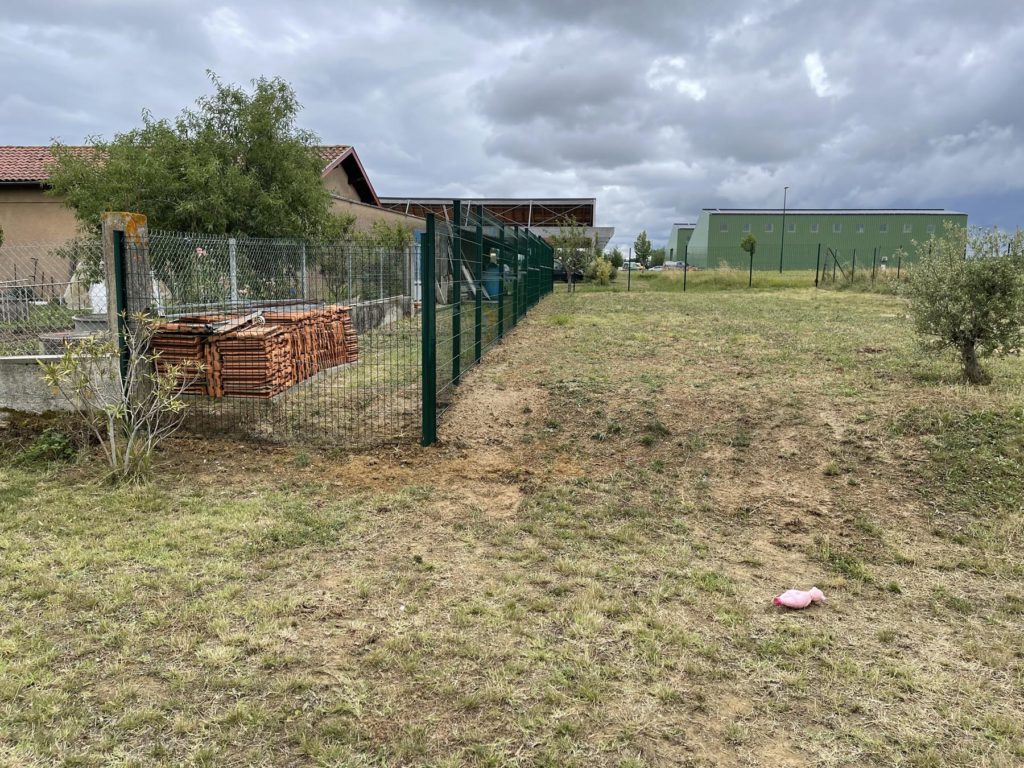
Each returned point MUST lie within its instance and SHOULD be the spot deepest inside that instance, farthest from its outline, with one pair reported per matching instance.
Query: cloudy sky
(655, 108)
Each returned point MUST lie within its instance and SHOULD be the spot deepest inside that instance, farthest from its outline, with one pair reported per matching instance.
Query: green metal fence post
(515, 276)
(501, 281)
(428, 340)
(527, 248)
(456, 289)
(533, 270)
(853, 268)
(817, 266)
(527, 245)
(874, 257)
(478, 315)
(531, 279)
(686, 262)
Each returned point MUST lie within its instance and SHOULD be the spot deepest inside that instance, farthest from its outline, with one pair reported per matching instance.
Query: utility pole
(782, 244)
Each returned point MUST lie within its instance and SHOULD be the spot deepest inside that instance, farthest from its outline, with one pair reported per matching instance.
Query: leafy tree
(347, 263)
(615, 257)
(236, 163)
(658, 257)
(967, 293)
(749, 244)
(393, 236)
(573, 248)
(642, 249)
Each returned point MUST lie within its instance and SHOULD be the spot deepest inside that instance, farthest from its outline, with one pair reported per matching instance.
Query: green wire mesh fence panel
(287, 340)
(486, 275)
(448, 293)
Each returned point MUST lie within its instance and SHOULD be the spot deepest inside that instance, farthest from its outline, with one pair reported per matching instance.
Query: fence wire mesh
(486, 275)
(48, 293)
(297, 341)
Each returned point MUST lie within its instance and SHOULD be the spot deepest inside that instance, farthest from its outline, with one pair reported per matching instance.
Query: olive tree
(573, 248)
(967, 294)
(749, 244)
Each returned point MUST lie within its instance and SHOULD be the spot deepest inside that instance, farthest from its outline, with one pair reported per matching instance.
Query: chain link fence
(308, 342)
(48, 292)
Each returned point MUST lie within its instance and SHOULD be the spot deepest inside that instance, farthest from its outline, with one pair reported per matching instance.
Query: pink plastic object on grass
(798, 598)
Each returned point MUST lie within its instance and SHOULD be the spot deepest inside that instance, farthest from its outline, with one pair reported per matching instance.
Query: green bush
(599, 271)
(51, 447)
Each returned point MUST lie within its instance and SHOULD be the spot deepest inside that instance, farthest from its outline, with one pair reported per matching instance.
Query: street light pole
(782, 244)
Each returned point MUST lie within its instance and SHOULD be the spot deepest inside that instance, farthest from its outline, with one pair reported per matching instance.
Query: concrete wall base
(22, 387)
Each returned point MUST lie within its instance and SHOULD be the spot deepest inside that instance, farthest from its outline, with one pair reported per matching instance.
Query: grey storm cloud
(656, 108)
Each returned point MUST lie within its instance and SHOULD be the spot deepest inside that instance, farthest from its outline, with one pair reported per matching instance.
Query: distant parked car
(559, 274)
(655, 269)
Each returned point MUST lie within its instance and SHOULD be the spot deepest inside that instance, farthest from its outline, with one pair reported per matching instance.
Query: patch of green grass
(717, 279)
(52, 446)
(841, 560)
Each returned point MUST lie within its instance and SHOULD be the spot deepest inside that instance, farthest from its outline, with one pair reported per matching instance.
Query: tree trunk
(972, 368)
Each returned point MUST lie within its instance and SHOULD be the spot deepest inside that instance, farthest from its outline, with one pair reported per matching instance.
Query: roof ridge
(27, 163)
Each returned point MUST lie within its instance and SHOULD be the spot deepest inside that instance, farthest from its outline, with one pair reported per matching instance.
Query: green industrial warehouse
(678, 241)
(798, 236)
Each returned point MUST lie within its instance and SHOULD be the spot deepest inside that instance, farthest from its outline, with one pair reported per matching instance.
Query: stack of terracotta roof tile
(321, 338)
(260, 354)
(251, 362)
(181, 345)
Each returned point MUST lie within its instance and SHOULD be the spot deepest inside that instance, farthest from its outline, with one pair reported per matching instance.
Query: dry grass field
(580, 574)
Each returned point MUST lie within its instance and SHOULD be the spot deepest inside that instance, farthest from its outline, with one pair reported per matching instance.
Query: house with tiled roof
(28, 215)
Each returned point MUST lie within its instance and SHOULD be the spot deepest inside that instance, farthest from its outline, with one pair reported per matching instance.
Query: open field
(726, 279)
(579, 575)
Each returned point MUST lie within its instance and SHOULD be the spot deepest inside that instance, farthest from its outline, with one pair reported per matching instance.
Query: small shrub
(128, 413)
(599, 271)
(53, 446)
(967, 293)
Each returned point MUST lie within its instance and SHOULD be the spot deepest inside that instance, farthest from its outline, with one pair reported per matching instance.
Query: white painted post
(233, 268)
(348, 248)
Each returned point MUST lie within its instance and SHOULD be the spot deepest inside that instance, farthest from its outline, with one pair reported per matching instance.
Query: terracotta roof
(330, 154)
(29, 164)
